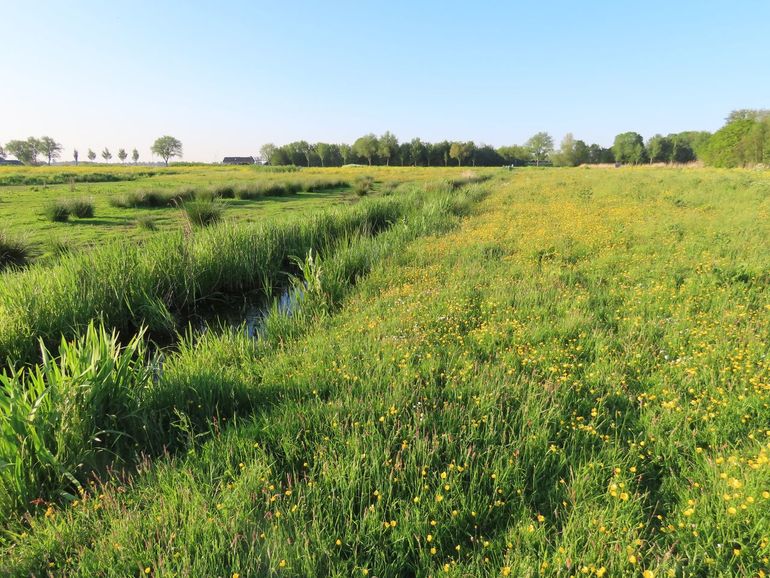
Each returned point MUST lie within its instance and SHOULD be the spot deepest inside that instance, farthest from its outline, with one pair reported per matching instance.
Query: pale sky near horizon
(225, 78)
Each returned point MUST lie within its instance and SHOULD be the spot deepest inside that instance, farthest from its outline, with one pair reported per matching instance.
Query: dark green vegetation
(744, 141)
(552, 373)
(14, 252)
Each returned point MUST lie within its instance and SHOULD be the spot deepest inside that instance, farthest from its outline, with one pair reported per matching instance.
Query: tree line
(743, 141)
(27, 151)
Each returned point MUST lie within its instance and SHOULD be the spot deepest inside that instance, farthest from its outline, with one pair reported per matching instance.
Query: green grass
(568, 377)
(122, 194)
(14, 252)
(202, 213)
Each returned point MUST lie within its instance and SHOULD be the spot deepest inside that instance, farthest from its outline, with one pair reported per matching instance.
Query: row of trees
(387, 150)
(28, 151)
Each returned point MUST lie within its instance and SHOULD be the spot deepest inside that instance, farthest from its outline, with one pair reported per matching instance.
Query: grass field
(22, 206)
(556, 372)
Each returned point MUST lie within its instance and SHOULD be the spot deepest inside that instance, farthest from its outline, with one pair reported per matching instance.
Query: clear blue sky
(227, 77)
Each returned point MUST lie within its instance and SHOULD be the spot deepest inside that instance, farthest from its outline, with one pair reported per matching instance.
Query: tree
(106, 155)
(345, 152)
(660, 149)
(366, 146)
(91, 155)
(486, 156)
(629, 148)
(135, 156)
(25, 150)
(322, 149)
(515, 155)
(388, 145)
(122, 155)
(266, 152)
(540, 146)
(305, 149)
(571, 152)
(75, 155)
(167, 147)
(419, 151)
(598, 155)
(405, 154)
(50, 148)
(747, 114)
(438, 153)
(2, 153)
(458, 151)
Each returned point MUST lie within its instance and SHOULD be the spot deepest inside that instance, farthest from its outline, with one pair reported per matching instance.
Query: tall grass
(57, 211)
(69, 415)
(127, 286)
(202, 213)
(14, 252)
(152, 198)
(82, 208)
(97, 404)
(157, 198)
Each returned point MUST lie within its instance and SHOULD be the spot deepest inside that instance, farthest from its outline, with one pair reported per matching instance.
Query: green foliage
(367, 147)
(26, 151)
(363, 185)
(14, 252)
(628, 148)
(571, 152)
(542, 391)
(387, 145)
(49, 148)
(540, 147)
(146, 223)
(167, 147)
(726, 147)
(202, 212)
(81, 208)
(57, 211)
(69, 415)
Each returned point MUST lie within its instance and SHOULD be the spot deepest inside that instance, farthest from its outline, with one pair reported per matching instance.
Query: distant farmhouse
(238, 161)
(10, 162)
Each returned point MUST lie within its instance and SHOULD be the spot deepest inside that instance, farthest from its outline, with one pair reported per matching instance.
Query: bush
(82, 208)
(146, 223)
(203, 213)
(13, 252)
(363, 185)
(57, 211)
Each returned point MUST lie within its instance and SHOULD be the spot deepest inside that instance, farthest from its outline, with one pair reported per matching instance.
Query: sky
(225, 78)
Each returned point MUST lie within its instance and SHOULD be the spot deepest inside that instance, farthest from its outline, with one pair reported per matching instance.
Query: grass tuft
(14, 252)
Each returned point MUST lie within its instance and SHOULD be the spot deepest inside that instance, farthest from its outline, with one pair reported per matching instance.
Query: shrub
(203, 213)
(57, 211)
(13, 252)
(82, 208)
(363, 185)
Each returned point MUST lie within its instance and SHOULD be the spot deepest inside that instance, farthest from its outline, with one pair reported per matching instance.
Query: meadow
(541, 372)
(137, 202)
